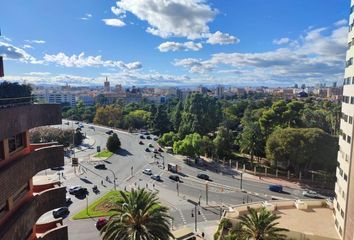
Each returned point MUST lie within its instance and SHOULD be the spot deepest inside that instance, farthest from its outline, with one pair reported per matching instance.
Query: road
(223, 190)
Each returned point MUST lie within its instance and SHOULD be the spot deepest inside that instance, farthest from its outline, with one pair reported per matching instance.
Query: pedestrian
(203, 235)
(153, 185)
(62, 174)
(101, 182)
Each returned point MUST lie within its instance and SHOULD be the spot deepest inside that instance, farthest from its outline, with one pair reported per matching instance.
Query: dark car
(160, 149)
(156, 151)
(109, 132)
(276, 188)
(147, 150)
(203, 176)
(57, 168)
(156, 177)
(81, 191)
(101, 222)
(61, 212)
(142, 137)
(141, 143)
(100, 166)
(174, 178)
(76, 122)
(156, 138)
(148, 137)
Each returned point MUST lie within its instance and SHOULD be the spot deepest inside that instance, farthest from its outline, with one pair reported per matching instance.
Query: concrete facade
(20, 205)
(344, 189)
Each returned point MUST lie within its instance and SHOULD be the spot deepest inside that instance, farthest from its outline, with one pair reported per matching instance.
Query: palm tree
(261, 225)
(138, 216)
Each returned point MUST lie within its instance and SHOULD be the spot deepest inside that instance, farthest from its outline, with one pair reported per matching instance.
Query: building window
(350, 120)
(349, 139)
(338, 207)
(349, 62)
(345, 177)
(342, 213)
(344, 136)
(16, 142)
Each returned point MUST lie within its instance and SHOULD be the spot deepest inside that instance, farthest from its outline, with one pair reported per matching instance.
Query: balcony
(18, 119)
(18, 172)
(23, 220)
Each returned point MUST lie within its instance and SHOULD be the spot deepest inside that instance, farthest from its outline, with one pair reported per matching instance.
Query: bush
(113, 143)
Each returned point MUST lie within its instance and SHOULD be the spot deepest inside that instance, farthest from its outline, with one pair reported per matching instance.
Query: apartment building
(58, 97)
(344, 189)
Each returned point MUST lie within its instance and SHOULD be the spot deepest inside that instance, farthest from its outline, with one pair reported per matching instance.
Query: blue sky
(174, 42)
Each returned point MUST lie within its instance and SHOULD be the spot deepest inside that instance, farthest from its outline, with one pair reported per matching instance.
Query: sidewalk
(283, 182)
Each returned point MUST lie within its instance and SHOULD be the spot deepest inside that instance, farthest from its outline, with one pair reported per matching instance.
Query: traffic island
(99, 208)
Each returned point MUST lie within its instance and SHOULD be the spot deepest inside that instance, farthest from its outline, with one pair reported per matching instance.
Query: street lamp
(195, 213)
(114, 178)
(240, 179)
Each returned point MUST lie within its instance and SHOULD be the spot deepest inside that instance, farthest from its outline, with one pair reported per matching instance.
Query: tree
(15, 90)
(138, 216)
(161, 122)
(51, 134)
(223, 142)
(113, 143)
(137, 119)
(177, 116)
(78, 137)
(168, 139)
(251, 140)
(190, 146)
(302, 149)
(109, 115)
(261, 225)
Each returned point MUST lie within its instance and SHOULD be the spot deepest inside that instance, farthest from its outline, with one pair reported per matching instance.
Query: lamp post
(241, 180)
(114, 178)
(195, 213)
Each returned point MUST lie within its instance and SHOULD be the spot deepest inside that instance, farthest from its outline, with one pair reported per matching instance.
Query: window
(345, 177)
(344, 136)
(342, 213)
(352, 100)
(349, 62)
(16, 142)
(341, 172)
(353, 77)
(349, 139)
(338, 207)
(350, 120)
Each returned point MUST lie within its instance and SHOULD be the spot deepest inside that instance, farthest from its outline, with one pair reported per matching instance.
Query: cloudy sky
(174, 42)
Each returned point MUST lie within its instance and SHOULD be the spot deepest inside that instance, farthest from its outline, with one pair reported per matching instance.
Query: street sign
(74, 162)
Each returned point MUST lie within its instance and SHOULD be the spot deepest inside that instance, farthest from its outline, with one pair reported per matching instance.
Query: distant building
(219, 91)
(202, 90)
(86, 99)
(58, 97)
(107, 86)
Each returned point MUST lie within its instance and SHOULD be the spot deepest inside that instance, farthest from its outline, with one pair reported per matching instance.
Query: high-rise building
(219, 91)
(344, 189)
(23, 201)
(107, 86)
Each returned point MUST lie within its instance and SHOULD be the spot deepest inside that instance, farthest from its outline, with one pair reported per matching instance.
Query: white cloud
(176, 46)
(222, 38)
(27, 46)
(341, 22)
(114, 22)
(318, 56)
(187, 18)
(118, 11)
(35, 41)
(39, 73)
(86, 17)
(281, 41)
(90, 61)
(15, 53)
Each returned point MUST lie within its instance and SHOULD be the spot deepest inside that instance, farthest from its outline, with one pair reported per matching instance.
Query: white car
(311, 194)
(147, 171)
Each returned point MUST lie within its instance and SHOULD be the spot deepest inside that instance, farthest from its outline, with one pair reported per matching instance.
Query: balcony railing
(18, 101)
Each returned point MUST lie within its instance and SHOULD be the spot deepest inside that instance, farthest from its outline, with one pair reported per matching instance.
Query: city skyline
(178, 43)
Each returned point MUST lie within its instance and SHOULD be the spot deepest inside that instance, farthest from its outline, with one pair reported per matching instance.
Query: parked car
(310, 194)
(57, 168)
(156, 177)
(109, 132)
(146, 133)
(141, 143)
(156, 151)
(77, 122)
(147, 171)
(91, 127)
(74, 189)
(160, 149)
(156, 138)
(101, 222)
(147, 150)
(150, 145)
(100, 166)
(61, 212)
(81, 125)
(275, 188)
(81, 191)
(142, 137)
(174, 178)
(203, 176)
(148, 137)
(67, 123)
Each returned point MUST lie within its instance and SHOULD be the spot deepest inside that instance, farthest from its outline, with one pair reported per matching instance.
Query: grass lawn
(100, 207)
(104, 154)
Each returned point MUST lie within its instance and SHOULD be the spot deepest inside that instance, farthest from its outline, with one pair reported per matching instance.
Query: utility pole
(177, 187)
(241, 180)
(206, 192)
(195, 213)
(131, 171)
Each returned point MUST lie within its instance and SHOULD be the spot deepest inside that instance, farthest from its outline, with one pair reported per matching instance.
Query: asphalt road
(223, 190)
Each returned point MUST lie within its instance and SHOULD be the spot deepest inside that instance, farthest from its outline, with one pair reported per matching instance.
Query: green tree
(190, 146)
(15, 90)
(137, 119)
(251, 140)
(168, 139)
(109, 115)
(223, 142)
(177, 116)
(138, 216)
(113, 143)
(161, 122)
(261, 225)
